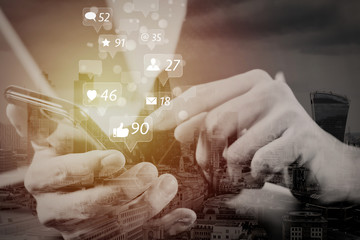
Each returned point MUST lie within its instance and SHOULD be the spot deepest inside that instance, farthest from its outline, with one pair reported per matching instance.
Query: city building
(7, 161)
(330, 112)
(218, 221)
(22, 224)
(338, 215)
(304, 225)
(352, 139)
(10, 139)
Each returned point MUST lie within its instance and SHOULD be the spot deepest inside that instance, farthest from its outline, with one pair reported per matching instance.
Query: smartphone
(45, 114)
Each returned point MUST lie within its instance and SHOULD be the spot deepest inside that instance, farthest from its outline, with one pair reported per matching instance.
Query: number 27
(168, 69)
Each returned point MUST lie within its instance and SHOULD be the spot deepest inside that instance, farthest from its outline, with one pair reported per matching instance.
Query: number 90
(144, 128)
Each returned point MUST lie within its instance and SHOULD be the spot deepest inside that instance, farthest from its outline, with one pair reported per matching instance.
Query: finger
(68, 139)
(18, 118)
(244, 148)
(202, 154)
(63, 139)
(280, 77)
(177, 221)
(49, 171)
(237, 114)
(186, 131)
(54, 209)
(161, 192)
(136, 180)
(207, 97)
(274, 157)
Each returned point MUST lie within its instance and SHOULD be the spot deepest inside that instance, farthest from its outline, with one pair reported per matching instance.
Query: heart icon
(91, 94)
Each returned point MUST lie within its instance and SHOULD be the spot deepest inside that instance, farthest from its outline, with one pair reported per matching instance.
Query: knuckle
(213, 121)
(233, 156)
(260, 75)
(41, 177)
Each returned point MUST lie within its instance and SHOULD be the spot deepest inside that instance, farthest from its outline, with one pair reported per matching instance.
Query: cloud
(305, 25)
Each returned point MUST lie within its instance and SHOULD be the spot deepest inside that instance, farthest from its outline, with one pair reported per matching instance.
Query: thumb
(121, 125)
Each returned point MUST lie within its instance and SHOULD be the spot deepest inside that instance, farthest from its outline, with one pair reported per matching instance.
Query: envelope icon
(151, 100)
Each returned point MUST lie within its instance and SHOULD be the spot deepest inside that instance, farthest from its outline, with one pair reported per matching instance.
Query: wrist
(352, 155)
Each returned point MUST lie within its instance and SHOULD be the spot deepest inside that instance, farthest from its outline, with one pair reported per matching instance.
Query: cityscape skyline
(213, 216)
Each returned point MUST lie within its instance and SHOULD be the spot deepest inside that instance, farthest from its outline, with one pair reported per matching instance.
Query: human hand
(272, 128)
(91, 208)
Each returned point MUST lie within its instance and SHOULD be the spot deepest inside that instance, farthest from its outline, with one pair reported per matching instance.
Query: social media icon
(91, 94)
(153, 67)
(97, 18)
(151, 100)
(120, 132)
(90, 16)
(105, 42)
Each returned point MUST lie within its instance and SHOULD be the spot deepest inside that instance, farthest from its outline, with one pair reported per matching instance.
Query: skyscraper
(330, 112)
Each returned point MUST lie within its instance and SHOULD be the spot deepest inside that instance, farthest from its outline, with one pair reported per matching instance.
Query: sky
(315, 43)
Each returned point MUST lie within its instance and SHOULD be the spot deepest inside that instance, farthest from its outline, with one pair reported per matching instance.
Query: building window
(296, 233)
(316, 233)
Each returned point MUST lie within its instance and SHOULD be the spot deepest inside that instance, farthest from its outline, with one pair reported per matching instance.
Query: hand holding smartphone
(44, 116)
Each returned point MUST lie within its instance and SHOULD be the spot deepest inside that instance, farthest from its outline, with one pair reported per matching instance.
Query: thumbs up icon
(120, 131)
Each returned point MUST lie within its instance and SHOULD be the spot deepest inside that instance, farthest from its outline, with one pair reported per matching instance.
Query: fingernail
(168, 185)
(186, 221)
(146, 174)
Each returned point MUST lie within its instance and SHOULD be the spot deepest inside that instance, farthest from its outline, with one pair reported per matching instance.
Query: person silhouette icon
(153, 66)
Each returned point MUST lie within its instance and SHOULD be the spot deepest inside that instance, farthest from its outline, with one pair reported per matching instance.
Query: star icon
(105, 42)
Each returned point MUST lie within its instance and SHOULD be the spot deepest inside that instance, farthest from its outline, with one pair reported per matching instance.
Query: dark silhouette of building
(304, 225)
(330, 112)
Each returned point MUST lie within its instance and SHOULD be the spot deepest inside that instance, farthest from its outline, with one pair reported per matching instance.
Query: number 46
(112, 97)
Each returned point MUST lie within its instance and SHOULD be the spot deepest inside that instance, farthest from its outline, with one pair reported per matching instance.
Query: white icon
(90, 16)
(151, 100)
(144, 37)
(91, 94)
(105, 42)
(153, 66)
(120, 131)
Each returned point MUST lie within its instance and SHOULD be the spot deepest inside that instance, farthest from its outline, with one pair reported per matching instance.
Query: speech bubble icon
(101, 94)
(146, 6)
(162, 103)
(90, 16)
(97, 18)
(152, 37)
(140, 130)
(172, 64)
(112, 43)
